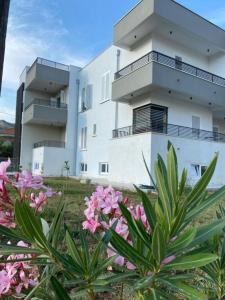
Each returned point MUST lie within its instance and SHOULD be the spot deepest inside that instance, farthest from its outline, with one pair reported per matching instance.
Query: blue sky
(69, 31)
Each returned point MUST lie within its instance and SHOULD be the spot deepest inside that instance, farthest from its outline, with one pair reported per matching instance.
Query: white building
(162, 79)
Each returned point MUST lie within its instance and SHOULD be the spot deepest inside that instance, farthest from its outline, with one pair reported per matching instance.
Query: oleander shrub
(153, 248)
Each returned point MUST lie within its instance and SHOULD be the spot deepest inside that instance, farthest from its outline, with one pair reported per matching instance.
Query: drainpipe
(117, 103)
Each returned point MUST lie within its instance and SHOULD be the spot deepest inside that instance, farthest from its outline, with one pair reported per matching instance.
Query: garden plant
(155, 248)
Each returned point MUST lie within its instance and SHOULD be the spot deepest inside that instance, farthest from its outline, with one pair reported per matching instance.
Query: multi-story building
(162, 79)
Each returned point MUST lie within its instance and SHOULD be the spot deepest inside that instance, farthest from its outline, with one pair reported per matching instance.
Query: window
(203, 169)
(178, 62)
(105, 87)
(83, 167)
(36, 166)
(195, 169)
(86, 97)
(94, 130)
(198, 170)
(103, 168)
(150, 117)
(84, 138)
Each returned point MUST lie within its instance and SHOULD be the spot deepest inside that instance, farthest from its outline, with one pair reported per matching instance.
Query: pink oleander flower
(38, 201)
(3, 175)
(7, 219)
(91, 225)
(167, 260)
(16, 276)
(25, 180)
(5, 282)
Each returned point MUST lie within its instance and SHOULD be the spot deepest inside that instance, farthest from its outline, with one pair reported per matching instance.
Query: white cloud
(33, 31)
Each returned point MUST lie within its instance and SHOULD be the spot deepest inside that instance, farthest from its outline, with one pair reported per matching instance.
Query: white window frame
(106, 172)
(105, 87)
(83, 167)
(83, 142)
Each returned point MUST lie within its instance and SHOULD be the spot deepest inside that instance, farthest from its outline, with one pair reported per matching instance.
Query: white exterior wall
(32, 134)
(51, 161)
(126, 162)
(191, 152)
(101, 114)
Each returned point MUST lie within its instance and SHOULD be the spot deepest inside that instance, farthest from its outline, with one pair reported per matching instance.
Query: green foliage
(215, 271)
(172, 246)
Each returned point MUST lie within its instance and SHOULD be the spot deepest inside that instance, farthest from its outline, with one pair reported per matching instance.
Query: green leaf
(182, 182)
(134, 225)
(163, 193)
(183, 240)
(148, 207)
(191, 261)
(172, 174)
(84, 248)
(207, 231)
(190, 292)
(73, 250)
(209, 201)
(56, 225)
(13, 234)
(127, 251)
(59, 291)
(9, 250)
(158, 244)
(143, 283)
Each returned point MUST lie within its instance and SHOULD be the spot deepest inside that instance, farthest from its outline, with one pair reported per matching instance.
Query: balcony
(47, 76)
(165, 17)
(46, 112)
(156, 70)
(170, 130)
(50, 143)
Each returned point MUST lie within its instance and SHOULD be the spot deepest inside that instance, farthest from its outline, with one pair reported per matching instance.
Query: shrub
(153, 248)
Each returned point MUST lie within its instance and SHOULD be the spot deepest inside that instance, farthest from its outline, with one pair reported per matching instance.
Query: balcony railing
(47, 102)
(168, 61)
(171, 130)
(50, 63)
(55, 144)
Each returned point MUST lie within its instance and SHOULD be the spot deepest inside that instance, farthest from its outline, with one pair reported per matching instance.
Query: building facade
(162, 79)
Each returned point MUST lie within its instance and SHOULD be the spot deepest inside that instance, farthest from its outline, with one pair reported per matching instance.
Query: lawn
(75, 192)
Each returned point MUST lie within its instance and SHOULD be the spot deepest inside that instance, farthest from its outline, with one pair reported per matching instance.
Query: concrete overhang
(45, 115)
(171, 20)
(47, 76)
(156, 76)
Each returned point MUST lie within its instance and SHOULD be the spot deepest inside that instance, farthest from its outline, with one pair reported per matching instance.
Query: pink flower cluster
(15, 276)
(106, 201)
(19, 275)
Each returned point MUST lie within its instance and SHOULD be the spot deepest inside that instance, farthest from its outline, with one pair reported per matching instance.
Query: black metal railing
(49, 63)
(170, 130)
(171, 62)
(55, 144)
(47, 102)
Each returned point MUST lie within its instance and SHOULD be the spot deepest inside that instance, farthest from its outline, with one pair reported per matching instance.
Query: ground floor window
(198, 170)
(83, 167)
(103, 168)
(36, 166)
